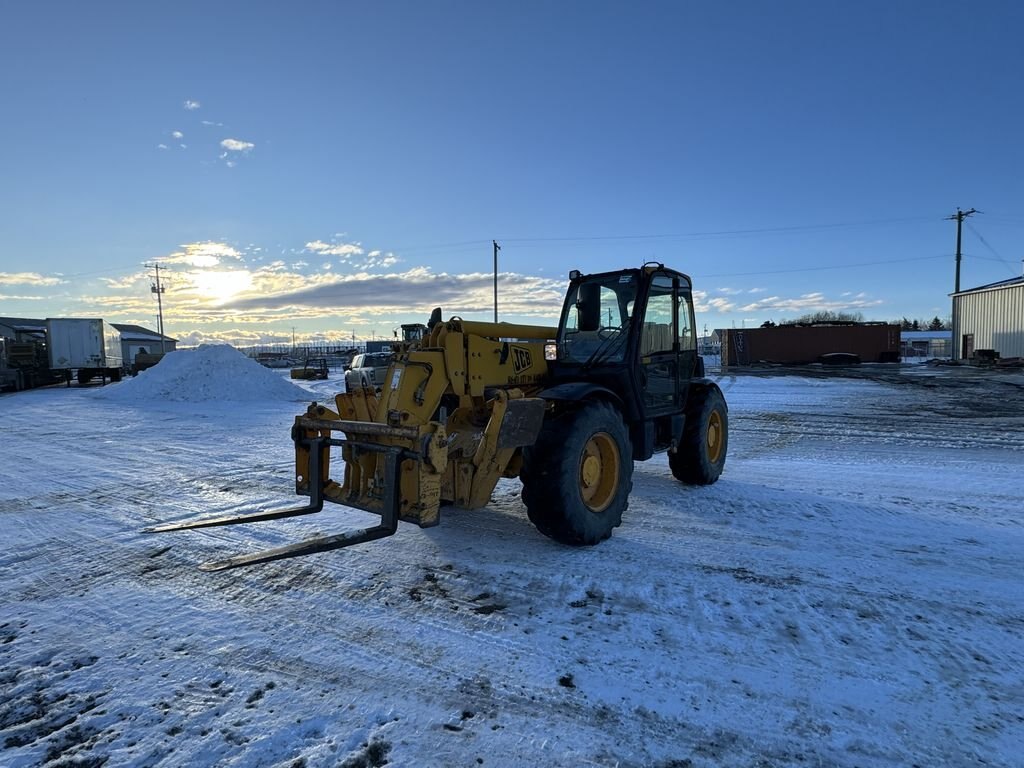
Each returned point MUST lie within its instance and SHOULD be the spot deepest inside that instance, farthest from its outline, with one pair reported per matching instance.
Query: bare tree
(826, 316)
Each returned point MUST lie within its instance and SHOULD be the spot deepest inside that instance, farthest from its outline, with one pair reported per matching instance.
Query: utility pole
(496, 249)
(159, 291)
(959, 217)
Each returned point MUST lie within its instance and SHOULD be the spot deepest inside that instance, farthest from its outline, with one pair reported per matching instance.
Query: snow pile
(208, 373)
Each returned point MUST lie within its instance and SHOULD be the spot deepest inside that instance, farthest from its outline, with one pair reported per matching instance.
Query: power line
(670, 235)
(820, 269)
(106, 271)
(994, 252)
(968, 254)
(721, 233)
(727, 233)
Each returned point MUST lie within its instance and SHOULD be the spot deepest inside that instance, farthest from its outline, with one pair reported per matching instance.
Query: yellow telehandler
(567, 410)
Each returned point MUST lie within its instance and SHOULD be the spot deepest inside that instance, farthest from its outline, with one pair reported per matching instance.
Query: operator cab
(632, 332)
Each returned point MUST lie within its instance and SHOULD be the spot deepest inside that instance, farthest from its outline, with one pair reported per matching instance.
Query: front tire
(700, 456)
(578, 475)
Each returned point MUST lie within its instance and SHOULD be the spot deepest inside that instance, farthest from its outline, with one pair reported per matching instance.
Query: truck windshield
(597, 319)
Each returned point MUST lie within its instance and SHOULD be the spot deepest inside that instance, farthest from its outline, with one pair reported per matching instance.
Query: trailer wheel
(700, 457)
(578, 475)
(84, 376)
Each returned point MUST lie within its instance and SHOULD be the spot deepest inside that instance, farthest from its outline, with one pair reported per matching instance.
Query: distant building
(926, 345)
(136, 339)
(989, 317)
(710, 346)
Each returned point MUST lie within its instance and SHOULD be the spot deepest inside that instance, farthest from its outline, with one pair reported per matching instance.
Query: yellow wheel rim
(715, 438)
(599, 471)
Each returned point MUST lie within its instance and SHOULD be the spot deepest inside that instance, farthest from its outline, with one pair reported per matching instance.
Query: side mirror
(435, 318)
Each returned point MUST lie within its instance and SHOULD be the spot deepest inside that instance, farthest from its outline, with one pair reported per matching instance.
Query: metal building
(926, 345)
(989, 317)
(136, 339)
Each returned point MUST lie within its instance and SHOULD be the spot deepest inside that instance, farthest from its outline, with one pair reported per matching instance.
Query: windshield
(597, 320)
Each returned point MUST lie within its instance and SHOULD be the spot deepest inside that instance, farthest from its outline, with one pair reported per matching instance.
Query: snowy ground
(849, 594)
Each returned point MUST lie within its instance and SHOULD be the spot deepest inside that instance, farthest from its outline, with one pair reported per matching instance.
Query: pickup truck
(368, 370)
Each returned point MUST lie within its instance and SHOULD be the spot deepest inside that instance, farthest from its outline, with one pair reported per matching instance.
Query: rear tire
(578, 475)
(700, 457)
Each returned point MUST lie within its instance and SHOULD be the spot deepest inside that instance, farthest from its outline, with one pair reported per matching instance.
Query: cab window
(597, 321)
(687, 337)
(659, 329)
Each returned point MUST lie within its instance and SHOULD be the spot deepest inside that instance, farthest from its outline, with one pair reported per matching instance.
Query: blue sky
(340, 168)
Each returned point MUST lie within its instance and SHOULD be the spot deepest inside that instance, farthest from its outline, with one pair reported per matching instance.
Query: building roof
(1000, 284)
(128, 331)
(138, 332)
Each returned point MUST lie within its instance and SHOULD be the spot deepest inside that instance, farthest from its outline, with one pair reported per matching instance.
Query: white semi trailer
(89, 347)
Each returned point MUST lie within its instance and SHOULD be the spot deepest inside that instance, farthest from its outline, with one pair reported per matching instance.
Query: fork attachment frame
(388, 509)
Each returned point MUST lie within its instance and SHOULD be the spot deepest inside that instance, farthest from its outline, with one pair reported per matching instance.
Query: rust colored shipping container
(803, 344)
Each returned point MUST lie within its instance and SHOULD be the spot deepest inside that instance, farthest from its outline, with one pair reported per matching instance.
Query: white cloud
(235, 336)
(382, 261)
(207, 254)
(161, 146)
(353, 256)
(811, 302)
(212, 124)
(191, 105)
(236, 145)
(128, 282)
(27, 278)
(417, 290)
(717, 304)
(177, 134)
(335, 249)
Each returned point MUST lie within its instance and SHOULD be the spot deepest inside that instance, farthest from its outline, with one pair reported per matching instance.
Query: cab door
(659, 348)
